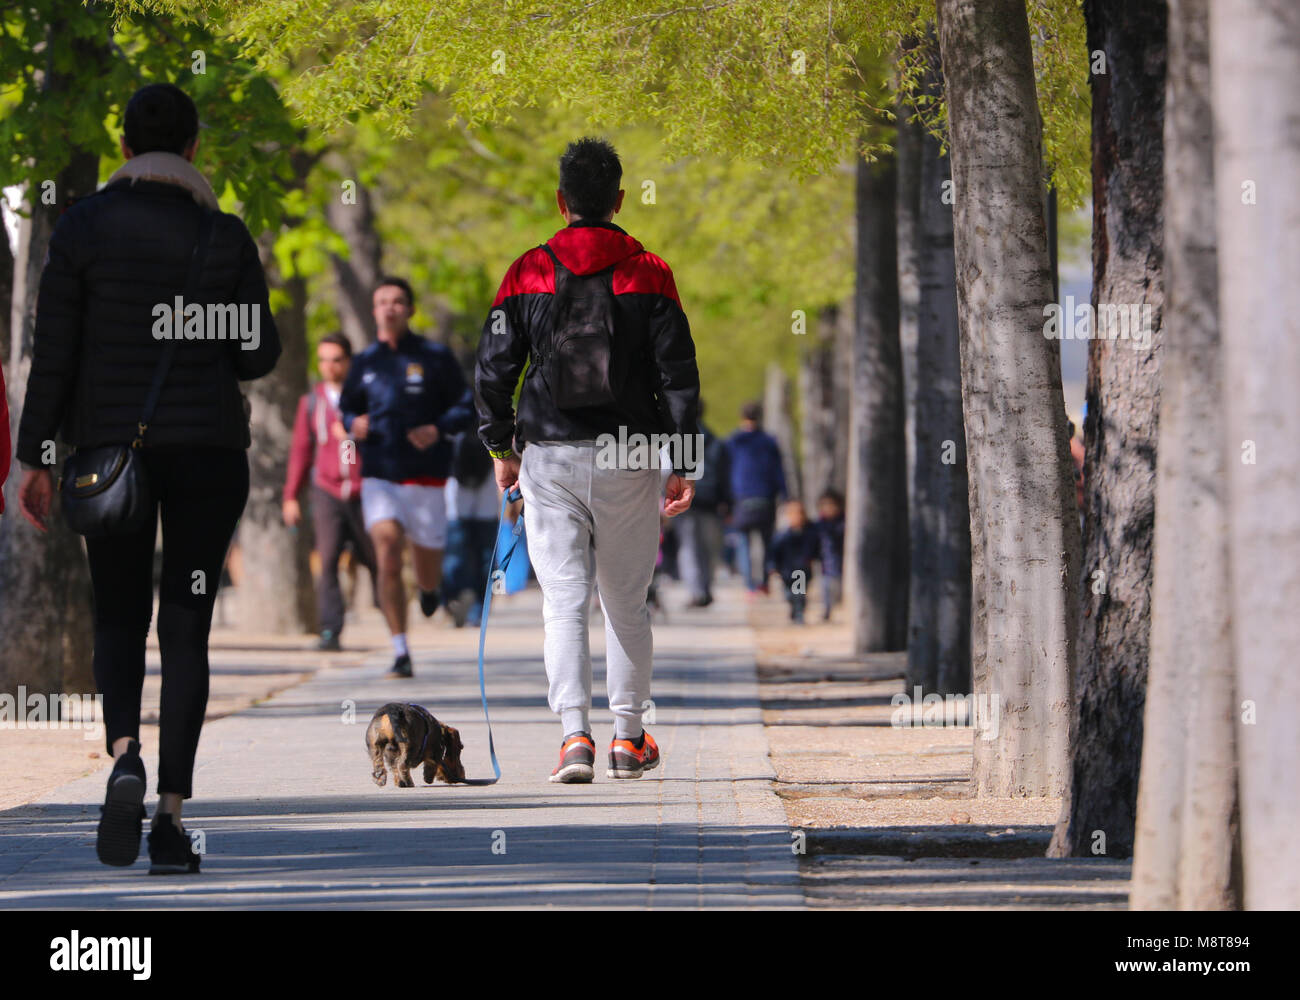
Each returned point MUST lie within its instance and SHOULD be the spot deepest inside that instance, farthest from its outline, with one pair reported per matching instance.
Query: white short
(420, 510)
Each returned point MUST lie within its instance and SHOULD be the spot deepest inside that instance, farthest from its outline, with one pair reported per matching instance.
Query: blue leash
(511, 496)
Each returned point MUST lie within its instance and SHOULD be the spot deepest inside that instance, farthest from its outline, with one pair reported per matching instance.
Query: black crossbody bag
(105, 490)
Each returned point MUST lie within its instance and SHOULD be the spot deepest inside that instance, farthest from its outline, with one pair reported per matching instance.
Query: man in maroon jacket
(322, 446)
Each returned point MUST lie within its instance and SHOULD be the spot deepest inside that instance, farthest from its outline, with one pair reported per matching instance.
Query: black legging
(201, 492)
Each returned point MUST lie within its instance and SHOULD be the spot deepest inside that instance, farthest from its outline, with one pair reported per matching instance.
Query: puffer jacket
(662, 392)
(113, 257)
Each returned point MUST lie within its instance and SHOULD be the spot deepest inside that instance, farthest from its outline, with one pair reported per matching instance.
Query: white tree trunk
(1255, 83)
(1182, 852)
(1023, 510)
(779, 422)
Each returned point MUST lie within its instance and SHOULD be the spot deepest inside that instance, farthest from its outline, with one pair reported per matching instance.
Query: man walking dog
(611, 357)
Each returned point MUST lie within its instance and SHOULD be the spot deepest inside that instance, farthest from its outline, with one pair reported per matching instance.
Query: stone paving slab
(290, 817)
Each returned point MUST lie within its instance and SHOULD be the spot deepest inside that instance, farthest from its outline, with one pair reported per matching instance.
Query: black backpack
(582, 363)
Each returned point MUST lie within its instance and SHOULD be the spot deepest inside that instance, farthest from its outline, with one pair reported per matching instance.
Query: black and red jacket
(662, 391)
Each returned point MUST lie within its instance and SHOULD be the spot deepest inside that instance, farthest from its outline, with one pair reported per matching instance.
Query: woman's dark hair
(471, 463)
(590, 173)
(396, 282)
(160, 118)
(339, 341)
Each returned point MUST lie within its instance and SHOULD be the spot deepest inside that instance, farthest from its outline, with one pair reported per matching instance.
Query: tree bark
(1187, 796)
(778, 421)
(939, 515)
(876, 525)
(909, 150)
(1119, 430)
(1255, 66)
(46, 613)
(45, 598)
(275, 593)
(355, 276)
(1021, 485)
(822, 424)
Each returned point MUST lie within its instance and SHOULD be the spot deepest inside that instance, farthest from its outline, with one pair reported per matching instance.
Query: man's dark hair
(396, 282)
(752, 411)
(160, 118)
(832, 495)
(339, 341)
(590, 173)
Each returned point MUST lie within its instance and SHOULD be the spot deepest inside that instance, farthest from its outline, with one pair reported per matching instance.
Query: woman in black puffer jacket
(116, 259)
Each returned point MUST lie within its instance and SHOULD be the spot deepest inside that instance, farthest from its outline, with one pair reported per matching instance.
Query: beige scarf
(170, 169)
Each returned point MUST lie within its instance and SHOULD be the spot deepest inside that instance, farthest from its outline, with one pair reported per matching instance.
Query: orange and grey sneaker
(577, 759)
(627, 760)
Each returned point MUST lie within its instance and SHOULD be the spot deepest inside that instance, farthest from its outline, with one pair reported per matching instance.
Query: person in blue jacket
(404, 399)
(757, 481)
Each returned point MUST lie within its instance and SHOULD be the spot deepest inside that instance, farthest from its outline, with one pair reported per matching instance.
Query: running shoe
(429, 602)
(577, 760)
(401, 667)
(627, 761)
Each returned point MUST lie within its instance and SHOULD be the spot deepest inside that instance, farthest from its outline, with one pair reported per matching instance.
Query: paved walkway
(291, 817)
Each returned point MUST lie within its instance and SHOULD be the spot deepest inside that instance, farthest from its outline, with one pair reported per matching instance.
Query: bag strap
(169, 351)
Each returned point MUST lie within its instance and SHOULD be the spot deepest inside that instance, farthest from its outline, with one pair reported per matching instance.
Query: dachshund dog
(402, 736)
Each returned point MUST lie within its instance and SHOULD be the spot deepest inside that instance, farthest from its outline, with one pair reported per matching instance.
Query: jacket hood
(588, 247)
(170, 169)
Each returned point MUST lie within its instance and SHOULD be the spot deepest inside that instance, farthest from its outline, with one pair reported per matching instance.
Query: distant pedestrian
(611, 355)
(699, 530)
(757, 482)
(830, 539)
(473, 512)
(403, 400)
(791, 556)
(116, 258)
(321, 447)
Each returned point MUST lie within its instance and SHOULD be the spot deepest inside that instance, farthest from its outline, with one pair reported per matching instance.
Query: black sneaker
(401, 667)
(122, 816)
(329, 642)
(428, 602)
(170, 850)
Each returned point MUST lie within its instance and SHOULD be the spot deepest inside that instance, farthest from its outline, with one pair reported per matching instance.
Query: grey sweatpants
(591, 525)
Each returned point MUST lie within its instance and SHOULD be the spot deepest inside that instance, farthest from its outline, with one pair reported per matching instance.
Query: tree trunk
(778, 422)
(821, 425)
(876, 529)
(45, 598)
(909, 150)
(1255, 66)
(1187, 797)
(1119, 430)
(939, 624)
(1021, 483)
(356, 276)
(275, 593)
